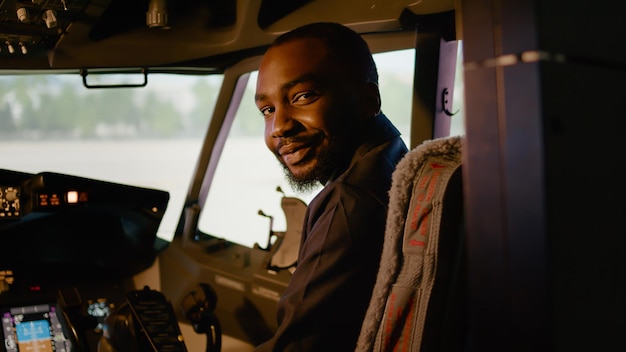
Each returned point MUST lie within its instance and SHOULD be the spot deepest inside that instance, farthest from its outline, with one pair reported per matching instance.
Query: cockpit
(141, 211)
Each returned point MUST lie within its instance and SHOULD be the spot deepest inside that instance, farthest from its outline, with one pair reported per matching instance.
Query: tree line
(59, 106)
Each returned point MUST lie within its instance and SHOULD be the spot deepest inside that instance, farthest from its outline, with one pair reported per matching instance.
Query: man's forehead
(297, 51)
(299, 56)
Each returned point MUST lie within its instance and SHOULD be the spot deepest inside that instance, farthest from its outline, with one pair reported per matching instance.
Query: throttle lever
(199, 307)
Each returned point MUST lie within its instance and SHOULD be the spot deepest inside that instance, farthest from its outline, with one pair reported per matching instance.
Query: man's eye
(303, 97)
(267, 111)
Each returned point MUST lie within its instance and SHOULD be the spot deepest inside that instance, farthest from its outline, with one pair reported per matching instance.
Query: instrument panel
(69, 248)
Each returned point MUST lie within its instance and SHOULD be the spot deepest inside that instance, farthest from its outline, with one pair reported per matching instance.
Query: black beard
(331, 160)
(299, 185)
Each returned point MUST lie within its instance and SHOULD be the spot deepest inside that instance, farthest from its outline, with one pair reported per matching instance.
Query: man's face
(309, 107)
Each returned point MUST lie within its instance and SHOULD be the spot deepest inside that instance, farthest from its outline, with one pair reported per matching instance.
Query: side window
(248, 175)
(457, 125)
(245, 182)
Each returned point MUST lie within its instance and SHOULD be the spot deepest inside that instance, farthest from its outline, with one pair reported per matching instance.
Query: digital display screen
(34, 328)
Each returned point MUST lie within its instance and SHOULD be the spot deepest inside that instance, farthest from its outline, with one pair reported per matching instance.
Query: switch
(50, 16)
(23, 15)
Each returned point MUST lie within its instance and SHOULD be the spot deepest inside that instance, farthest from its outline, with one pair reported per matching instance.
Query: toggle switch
(50, 16)
(10, 47)
(23, 15)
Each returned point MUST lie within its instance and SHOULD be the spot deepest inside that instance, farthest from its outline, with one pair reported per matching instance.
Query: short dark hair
(346, 45)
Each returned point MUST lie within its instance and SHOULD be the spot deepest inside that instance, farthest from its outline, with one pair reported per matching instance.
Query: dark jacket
(323, 307)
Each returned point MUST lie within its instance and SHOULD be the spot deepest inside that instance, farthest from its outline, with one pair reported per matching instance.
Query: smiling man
(317, 90)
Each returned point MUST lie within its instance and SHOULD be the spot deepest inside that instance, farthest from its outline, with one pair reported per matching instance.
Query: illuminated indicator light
(155, 209)
(72, 197)
(55, 200)
(35, 288)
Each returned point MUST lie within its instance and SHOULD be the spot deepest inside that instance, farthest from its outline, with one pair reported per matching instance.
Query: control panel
(32, 27)
(10, 202)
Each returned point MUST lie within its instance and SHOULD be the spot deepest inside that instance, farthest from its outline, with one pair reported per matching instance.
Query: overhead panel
(30, 28)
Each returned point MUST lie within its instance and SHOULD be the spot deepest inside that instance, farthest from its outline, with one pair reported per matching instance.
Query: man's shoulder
(375, 166)
(369, 174)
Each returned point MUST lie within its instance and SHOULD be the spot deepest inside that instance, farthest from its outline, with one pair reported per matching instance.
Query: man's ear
(370, 99)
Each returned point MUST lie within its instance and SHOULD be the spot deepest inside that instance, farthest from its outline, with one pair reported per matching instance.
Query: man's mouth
(292, 152)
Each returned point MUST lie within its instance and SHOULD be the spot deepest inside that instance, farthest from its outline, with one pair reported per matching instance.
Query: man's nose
(283, 123)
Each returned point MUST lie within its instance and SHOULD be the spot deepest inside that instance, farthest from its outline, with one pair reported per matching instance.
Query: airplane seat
(418, 301)
(283, 253)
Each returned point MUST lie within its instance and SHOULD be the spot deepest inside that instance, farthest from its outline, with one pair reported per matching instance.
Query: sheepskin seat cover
(418, 299)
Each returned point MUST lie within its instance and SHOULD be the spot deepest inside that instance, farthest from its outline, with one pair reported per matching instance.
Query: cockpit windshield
(147, 137)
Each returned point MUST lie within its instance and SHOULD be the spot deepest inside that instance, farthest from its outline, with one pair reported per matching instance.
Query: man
(317, 89)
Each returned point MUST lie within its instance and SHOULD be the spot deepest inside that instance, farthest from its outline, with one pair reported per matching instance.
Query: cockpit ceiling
(74, 34)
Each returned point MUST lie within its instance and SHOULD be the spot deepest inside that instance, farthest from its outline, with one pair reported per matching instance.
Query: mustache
(301, 140)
